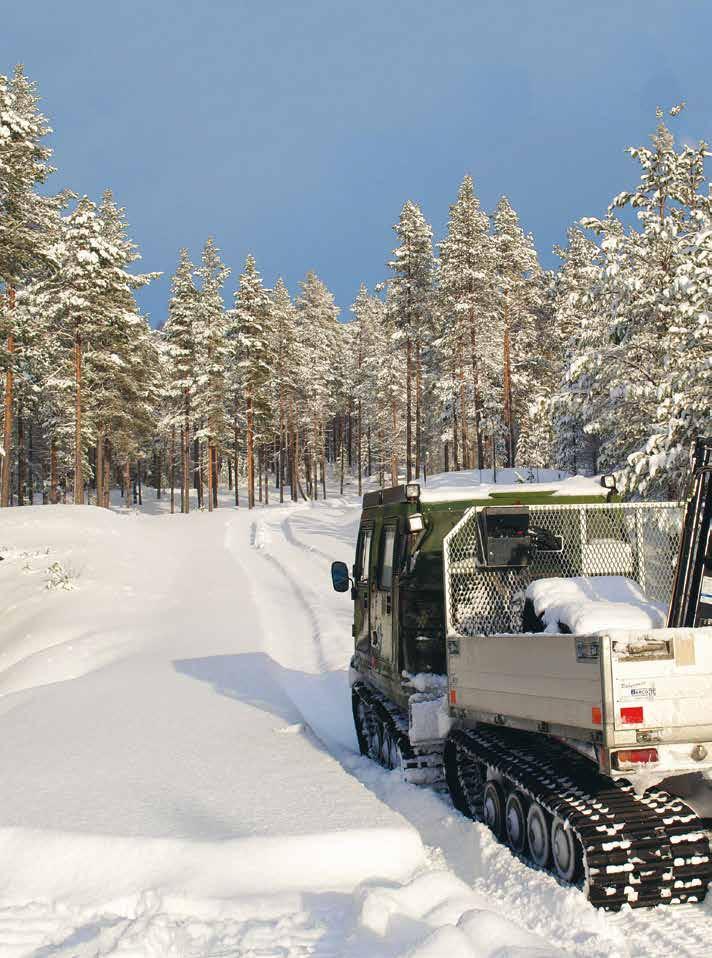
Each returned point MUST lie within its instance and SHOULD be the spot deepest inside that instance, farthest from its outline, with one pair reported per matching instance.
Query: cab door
(382, 591)
(362, 576)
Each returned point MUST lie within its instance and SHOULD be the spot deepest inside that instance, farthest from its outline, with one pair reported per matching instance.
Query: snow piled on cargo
(586, 604)
(482, 483)
(181, 771)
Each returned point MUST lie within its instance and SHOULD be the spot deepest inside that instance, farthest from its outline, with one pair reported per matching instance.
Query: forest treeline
(467, 355)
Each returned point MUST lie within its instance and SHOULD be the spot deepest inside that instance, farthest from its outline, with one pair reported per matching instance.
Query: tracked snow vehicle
(514, 642)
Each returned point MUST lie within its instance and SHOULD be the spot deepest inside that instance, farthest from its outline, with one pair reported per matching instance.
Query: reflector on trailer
(634, 756)
(632, 715)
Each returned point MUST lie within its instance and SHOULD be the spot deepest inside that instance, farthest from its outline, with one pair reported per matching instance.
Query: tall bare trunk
(476, 390)
(250, 453)
(107, 473)
(358, 450)
(52, 472)
(21, 457)
(127, 484)
(173, 468)
(78, 477)
(281, 443)
(100, 470)
(9, 390)
(185, 454)
(342, 464)
(159, 470)
(236, 461)
(418, 408)
(408, 411)
(507, 387)
(455, 455)
(394, 453)
(463, 414)
(323, 464)
(209, 446)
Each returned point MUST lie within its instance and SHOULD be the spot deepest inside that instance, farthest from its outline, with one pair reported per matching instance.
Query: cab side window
(363, 555)
(387, 558)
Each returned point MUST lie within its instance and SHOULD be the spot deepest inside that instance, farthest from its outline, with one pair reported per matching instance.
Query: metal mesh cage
(636, 540)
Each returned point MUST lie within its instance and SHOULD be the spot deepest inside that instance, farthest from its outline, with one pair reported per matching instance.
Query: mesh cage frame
(637, 540)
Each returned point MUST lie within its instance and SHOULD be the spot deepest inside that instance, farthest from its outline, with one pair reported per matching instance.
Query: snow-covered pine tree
(251, 342)
(378, 388)
(28, 223)
(284, 318)
(410, 304)
(88, 308)
(648, 383)
(317, 320)
(468, 304)
(123, 361)
(575, 326)
(520, 282)
(179, 338)
(210, 326)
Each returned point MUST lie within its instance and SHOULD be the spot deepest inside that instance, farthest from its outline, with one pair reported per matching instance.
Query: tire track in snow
(259, 540)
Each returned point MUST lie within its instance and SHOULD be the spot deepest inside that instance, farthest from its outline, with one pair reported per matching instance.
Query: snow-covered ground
(180, 773)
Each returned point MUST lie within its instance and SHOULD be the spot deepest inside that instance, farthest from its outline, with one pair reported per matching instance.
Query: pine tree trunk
(408, 412)
(463, 415)
(266, 459)
(100, 470)
(210, 475)
(53, 472)
(260, 457)
(507, 388)
(9, 387)
(173, 468)
(159, 470)
(455, 456)
(281, 443)
(107, 473)
(138, 481)
(78, 477)
(236, 459)
(199, 473)
(418, 406)
(185, 455)
(127, 484)
(476, 390)
(446, 454)
(250, 454)
(20, 457)
(394, 450)
(30, 464)
(358, 450)
(341, 484)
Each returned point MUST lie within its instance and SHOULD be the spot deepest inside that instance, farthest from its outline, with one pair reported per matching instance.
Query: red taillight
(634, 756)
(633, 715)
(453, 696)
(595, 715)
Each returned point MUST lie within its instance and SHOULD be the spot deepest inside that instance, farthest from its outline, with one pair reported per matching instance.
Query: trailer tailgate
(662, 679)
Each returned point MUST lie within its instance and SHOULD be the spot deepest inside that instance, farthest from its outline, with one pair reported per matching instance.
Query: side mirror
(340, 576)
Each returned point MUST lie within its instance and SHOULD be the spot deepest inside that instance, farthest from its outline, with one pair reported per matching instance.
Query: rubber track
(637, 850)
(422, 765)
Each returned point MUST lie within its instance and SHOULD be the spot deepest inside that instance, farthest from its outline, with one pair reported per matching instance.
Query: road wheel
(538, 837)
(515, 822)
(493, 808)
(566, 852)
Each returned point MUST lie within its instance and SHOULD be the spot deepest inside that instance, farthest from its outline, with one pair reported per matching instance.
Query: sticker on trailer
(637, 690)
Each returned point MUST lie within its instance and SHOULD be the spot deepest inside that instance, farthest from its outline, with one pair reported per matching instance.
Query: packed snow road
(181, 774)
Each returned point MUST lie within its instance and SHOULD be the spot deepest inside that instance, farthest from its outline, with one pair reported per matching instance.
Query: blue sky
(296, 130)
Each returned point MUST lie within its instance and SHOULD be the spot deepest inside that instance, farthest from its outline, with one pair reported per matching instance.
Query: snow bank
(479, 484)
(91, 869)
(593, 604)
